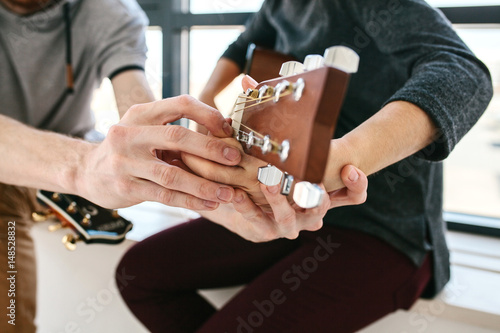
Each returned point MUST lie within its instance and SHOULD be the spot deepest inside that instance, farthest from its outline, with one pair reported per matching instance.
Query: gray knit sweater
(408, 51)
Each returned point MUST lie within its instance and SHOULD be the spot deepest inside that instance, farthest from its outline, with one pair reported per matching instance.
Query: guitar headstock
(90, 223)
(289, 121)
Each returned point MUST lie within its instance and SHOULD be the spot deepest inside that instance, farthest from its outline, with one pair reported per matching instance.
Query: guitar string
(264, 100)
(258, 103)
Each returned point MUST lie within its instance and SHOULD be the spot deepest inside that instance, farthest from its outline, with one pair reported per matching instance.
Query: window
(472, 171)
(223, 6)
(206, 45)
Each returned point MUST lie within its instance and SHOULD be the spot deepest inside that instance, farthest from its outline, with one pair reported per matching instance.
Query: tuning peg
(269, 175)
(343, 58)
(307, 195)
(280, 88)
(55, 227)
(286, 184)
(313, 61)
(87, 222)
(284, 150)
(291, 68)
(70, 241)
(71, 209)
(298, 89)
(42, 216)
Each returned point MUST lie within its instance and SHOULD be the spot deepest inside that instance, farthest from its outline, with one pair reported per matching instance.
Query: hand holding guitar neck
(289, 121)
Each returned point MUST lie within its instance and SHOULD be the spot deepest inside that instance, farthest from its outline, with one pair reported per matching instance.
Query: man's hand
(134, 163)
(242, 176)
(286, 220)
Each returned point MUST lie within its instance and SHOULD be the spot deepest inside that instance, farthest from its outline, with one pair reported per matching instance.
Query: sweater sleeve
(445, 79)
(258, 30)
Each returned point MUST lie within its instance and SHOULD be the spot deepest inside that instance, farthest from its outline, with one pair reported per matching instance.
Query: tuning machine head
(70, 241)
(307, 195)
(269, 175)
(291, 68)
(313, 61)
(343, 58)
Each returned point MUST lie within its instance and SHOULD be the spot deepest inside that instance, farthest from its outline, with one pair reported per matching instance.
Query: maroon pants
(331, 280)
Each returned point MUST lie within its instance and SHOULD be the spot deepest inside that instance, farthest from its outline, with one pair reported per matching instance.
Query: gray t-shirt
(108, 36)
(408, 51)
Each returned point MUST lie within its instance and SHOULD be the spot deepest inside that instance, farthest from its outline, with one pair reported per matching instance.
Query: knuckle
(190, 203)
(315, 225)
(167, 176)
(207, 190)
(135, 110)
(185, 100)
(174, 133)
(293, 234)
(165, 196)
(212, 145)
(123, 186)
(117, 133)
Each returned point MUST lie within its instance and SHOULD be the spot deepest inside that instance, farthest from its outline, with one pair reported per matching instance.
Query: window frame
(175, 20)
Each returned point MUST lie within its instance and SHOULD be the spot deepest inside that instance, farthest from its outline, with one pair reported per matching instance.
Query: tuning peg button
(307, 195)
(313, 61)
(343, 58)
(269, 175)
(291, 68)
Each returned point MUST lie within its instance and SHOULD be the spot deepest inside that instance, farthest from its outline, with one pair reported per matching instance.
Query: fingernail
(239, 198)
(224, 194)
(231, 154)
(210, 204)
(227, 128)
(353, 175)
(273, 189)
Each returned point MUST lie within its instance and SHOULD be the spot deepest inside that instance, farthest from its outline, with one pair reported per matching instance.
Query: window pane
(224, 6)
(472, 171)
(206, 45)
(103, 103)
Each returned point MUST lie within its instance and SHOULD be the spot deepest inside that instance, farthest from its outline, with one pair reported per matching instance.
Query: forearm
(39, 159)
(398, 130)
(131, 88)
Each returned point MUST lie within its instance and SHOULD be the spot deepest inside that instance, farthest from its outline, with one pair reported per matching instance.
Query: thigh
(336, 281)
(17, 259)
(199, 254)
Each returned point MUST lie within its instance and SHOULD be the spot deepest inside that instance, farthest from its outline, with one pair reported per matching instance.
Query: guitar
(289, 121)
(90, 223)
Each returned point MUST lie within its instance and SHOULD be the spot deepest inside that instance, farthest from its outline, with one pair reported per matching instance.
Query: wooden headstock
(289, 121)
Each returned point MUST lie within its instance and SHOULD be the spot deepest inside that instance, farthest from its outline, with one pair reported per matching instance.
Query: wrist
(74, 175)
(341, 154)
